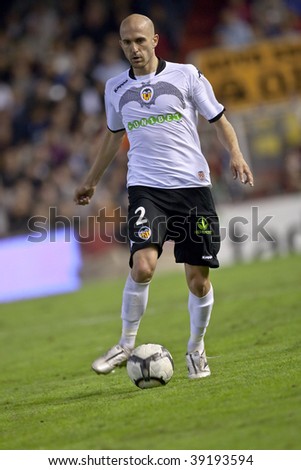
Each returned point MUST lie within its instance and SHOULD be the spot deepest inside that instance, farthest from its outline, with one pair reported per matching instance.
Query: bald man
(142, 55)
(157, 104)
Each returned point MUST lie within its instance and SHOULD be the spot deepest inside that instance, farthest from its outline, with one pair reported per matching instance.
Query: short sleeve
(114, 118)
(204, 97)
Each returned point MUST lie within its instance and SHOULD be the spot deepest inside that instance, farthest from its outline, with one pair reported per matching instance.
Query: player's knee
(199, 287)
(198, 282)
(143, 270)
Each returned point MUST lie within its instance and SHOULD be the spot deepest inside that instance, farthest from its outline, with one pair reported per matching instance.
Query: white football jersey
(160, 113)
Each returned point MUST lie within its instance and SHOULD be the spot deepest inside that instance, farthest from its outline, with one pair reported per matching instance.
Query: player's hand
(240, 169)
(83, 195)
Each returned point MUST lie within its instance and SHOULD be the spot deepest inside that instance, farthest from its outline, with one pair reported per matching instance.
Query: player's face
(138, 44)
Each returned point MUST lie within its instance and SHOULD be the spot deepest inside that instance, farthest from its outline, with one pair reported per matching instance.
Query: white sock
(199, 310)
(134, 302)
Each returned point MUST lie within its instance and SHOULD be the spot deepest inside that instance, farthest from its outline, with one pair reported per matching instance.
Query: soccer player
(157, 104)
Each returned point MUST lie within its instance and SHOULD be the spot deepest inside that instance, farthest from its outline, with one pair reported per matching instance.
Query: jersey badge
(147, 95)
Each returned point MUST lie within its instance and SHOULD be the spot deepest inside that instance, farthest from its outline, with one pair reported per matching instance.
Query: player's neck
(150, 67)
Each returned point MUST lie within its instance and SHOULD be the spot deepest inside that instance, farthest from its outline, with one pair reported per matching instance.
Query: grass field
(51, 400)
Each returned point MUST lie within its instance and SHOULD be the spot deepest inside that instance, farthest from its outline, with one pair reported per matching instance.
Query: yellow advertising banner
(265, 72)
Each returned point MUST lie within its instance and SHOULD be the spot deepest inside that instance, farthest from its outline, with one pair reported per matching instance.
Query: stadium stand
(54, 60)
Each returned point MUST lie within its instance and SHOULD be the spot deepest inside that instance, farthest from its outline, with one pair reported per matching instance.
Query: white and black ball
(150, 365)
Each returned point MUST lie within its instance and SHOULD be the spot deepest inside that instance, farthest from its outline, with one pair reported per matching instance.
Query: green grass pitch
(50, 399)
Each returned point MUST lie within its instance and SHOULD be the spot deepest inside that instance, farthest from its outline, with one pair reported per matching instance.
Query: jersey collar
(161, 66)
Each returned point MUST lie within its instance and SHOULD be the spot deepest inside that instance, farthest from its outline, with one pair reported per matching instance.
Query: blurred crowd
(55, 57)
(242, 23)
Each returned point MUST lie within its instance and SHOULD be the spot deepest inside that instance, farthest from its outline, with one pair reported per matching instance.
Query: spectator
(233, 31)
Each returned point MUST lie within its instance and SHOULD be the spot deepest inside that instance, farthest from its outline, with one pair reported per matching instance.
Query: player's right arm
(106, 153)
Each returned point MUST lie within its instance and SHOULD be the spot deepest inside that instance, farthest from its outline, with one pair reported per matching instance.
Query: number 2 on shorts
(141, 220)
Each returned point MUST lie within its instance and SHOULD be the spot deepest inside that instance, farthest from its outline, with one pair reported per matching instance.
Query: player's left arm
(227, 136)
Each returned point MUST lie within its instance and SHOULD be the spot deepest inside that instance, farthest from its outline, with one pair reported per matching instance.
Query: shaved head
(138, 23)
(138, 41)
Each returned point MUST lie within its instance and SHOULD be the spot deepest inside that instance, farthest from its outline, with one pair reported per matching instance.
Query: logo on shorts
(144, 232)
(203, 227)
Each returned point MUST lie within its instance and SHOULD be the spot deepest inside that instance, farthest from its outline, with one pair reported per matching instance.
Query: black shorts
(186, 216)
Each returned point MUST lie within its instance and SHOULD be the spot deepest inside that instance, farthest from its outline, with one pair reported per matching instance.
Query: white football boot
(114, 357)
(197, 365)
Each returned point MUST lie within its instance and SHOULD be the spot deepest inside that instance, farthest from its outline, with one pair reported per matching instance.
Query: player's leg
(200, 304)
(134, 302)
(135, 294)
(147, 229)
(146, 234)
(198, 250)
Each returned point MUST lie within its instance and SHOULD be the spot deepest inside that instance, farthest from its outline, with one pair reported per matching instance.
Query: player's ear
(155, 40)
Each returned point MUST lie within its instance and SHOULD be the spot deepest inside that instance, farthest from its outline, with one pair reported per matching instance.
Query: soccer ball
(150, 365)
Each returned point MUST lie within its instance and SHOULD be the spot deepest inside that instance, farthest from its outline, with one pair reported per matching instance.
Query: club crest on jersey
(144, 232)
(146, 94)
